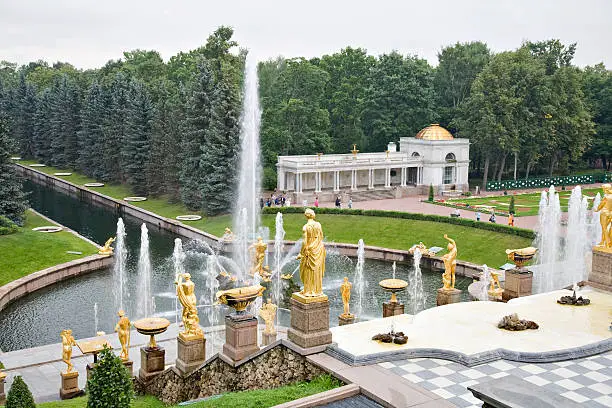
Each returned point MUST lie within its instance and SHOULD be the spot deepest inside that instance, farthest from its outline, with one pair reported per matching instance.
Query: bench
(514, 392)
(452, 193)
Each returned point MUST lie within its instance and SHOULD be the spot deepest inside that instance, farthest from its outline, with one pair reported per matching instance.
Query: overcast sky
(88, 33)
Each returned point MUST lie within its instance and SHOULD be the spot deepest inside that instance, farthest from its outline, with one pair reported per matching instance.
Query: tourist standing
(261, 203)
(338, 202)
(316, 202)
(511, 220)
(477, 215)
(350, 203)
(492, 218)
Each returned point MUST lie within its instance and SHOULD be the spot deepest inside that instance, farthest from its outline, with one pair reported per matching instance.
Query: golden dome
(434, 132)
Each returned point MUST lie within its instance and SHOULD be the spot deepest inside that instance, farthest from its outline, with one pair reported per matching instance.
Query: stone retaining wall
(371, 252)
(273, 368)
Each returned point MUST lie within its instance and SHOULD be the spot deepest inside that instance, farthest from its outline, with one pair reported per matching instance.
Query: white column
(353, 179)
(281, 179)
(370, 178)
(387, 177)
(295, 183)
(300, 179)
(403, 177)
(336, 181)
(318, 182)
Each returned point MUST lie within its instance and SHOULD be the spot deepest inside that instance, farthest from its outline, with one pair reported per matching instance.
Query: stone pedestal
(70, 385)
(447, 296)
(267, 339)
(344, 319)
(2, 394)
(392, 309)
(601, 271)
(518, 284)
(240, 337)
(309, 322)
(129, 365)
(152, 363)
(191, 354)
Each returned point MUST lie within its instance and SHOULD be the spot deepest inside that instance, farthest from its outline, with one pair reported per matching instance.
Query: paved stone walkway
(587, 381)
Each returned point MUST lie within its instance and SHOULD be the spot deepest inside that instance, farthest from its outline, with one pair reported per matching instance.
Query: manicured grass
(245, 399)
(525, 204)
(474, 245)
(29, 251)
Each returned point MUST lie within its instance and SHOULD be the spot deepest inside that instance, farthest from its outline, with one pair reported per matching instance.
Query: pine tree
(65, 122)
(13, 203)
(511, 209)
(195, 128)
(136, 149)
(110, 384)
(431, 193)
(19, 395)
(115, 130)
(91, 135)
(42, 127)
(220, 149)
(24, 111)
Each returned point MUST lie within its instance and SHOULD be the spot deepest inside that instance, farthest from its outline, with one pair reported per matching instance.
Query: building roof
(434, 132)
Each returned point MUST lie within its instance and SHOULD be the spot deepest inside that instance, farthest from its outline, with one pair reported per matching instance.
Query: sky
(88, 33)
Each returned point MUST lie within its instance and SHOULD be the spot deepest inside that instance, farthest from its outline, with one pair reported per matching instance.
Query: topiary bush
(110, 385)
(431, 193)
(7, 226)
(511, 206)
(19, 395)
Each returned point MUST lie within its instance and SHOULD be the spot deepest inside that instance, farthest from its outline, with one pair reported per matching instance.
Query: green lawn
(30, 251)
(525, 204)
(245, 399)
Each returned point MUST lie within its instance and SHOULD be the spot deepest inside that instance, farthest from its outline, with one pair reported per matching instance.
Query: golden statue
(268, 314)
(185, 290)
(354, 151)
(228, 235)
(605, 218)
(312, 260)
(259, 256)
(450, 263)
(107, 249)
(422, 249)
(123, 330)
(495, 289)
(345, 290)
(67, 343)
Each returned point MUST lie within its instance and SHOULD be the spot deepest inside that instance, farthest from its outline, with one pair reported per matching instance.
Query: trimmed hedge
(502, 228)
(7, 226)
(542, 182)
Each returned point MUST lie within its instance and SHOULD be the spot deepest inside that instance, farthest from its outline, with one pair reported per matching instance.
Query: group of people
(279, 200)
(492, 218)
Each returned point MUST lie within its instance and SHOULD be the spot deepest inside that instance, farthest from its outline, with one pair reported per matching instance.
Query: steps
(367, 195)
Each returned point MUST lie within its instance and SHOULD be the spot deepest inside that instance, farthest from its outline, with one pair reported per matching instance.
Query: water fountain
(119, 267)
(594, 225)
(547, 241)
(96, 318)
(360, 282)
(279, 239)
(483, 293)
(178, 259)
(417, 297)
(576, 240)
(144, 305)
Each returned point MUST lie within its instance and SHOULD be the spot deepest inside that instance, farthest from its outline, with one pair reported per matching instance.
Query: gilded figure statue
(107, 249)
(495, 288)
(605, 218)
(67, 343)
(123, 331)
(312, 257)
(268, 314)
(185, 290)
(422, 249)
(228, 235)
(345, 290)
(258, 250)
(450, 263)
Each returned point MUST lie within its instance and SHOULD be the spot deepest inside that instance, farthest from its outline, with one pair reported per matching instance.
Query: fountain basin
(150, 326)
(47, 228)
(135, 199)
(189, 217)
(240, 298)
(94, 184)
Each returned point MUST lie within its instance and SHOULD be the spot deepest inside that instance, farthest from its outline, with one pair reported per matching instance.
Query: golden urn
(240, 298)
(150, 326)
(394, 286)
(521, 256)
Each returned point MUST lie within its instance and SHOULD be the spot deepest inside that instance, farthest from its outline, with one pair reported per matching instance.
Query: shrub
(431, 194)
(110, 385)
(511, 206)
(467, 194)
(269, 178)
(504, 229)
(19, 396)
(7, 226)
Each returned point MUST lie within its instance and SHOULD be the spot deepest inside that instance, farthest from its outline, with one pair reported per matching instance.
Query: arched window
(416, 154)
(450, 157)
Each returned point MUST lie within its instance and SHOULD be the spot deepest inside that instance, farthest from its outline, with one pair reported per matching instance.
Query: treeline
(527, 109)
(162, 128)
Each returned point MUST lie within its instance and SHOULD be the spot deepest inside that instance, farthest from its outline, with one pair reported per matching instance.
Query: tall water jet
(144, 296)
(576, 241)
(119, 267)
(547, 241)
(279, 239)
(178, 260)
(360, 282)
(249, 175)
(594, 225)
(417, 296)
(96, 318)
(485, 279)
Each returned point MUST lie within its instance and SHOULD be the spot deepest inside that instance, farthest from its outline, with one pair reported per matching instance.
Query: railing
(548, 181)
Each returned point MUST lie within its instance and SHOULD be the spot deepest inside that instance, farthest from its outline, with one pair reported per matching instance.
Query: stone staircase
(367, 195)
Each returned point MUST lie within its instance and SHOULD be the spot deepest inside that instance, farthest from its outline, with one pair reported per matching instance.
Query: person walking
(338, 202)
(477, 215)
(261, 203)
(316, 202)
(350, 203)
(492, 218)
(511, 220)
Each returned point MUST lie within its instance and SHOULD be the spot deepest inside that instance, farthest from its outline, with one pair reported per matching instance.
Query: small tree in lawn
(19, 396)
(110, 385)
(511, 206)
(431, 193)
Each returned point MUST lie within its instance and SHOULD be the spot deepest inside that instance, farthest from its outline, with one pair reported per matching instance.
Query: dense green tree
(91, 134)
(115, 130)
(42, 127)
(458, 66)
(24, 109)
(554, 53)
(13, 201)
(400, 100)
(136, 147)
(65, 122)
(219, 159)
(110, 384)
(597, 85)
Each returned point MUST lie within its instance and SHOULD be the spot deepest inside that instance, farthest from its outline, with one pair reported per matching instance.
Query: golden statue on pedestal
(605, 219)
(495, 289)
(259, 249)
(123, 331)
(268, 314)
(67, 343)
(185, 290)
(107, 249)
(312, 260)
(450, 263)
(345, 290)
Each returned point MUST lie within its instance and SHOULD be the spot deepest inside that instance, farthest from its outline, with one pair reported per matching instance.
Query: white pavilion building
(433, 157)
